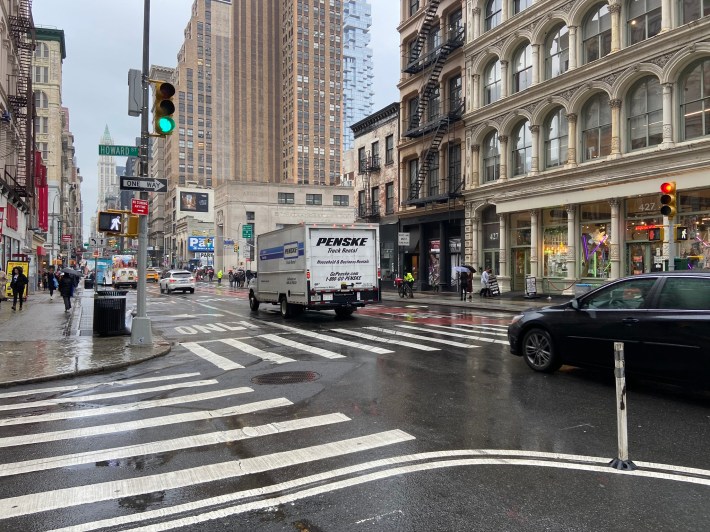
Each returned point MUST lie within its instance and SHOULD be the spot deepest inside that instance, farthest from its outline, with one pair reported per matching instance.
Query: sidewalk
(42, 342)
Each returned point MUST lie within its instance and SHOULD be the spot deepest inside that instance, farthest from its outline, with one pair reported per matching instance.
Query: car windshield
(182, 275)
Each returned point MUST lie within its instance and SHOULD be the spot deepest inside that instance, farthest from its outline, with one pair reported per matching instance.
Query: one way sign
(147, 184)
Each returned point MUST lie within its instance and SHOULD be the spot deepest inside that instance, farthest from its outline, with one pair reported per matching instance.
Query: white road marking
(211, 357)
(128, 407)
(485, 329)
(456, 335)
(304, 347)
(106, 491)
(68, 434)
(443, 459)
(217, 308)
(333, 339)
(403, 343)
(255, 351)
(420, 337)
(127, 382)
(176, 444)
(102, 396)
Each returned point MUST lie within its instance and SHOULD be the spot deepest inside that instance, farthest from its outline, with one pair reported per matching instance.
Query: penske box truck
(317, 267)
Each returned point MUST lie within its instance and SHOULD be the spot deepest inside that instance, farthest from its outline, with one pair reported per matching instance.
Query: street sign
(403, 239)
(228, 242)
(139, 206)
(97, 242)
(66, 238)
(118, 151)
(247, 231)
(147, 184)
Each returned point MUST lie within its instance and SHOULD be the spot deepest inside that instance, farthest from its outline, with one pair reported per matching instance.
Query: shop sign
(434, 246)
(454, 245)
(403, 239)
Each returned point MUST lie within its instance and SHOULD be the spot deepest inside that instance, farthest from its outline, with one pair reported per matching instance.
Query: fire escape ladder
(433, 149)
(21, 102)
(414, 63)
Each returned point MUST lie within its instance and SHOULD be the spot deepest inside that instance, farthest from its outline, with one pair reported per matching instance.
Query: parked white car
(173, 280)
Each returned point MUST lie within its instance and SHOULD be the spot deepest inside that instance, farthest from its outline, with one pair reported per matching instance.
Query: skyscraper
(106, 171)
(358, 70)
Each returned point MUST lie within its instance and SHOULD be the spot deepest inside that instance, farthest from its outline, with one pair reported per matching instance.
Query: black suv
(663, 319)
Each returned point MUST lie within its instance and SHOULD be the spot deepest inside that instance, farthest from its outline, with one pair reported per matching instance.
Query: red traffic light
(667, 188)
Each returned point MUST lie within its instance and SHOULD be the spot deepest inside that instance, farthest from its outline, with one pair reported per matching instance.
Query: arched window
(557, 52)
(519, 5)
(492, 82)
(596, 127)
(556, 139)
(521, 141)
(643, 19)
(522, 68)
(41, 100)
(691, 10)
(695, 100)
(42, 51)
(596, 33)
(645, 114)
(491, 158)
(494, 11)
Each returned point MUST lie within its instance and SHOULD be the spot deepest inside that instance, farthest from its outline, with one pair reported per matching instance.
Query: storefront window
(434, 263)
(520, 229)
(554, 242)
(594, 239)
(644, 245)
(693, 229)
(491, 239)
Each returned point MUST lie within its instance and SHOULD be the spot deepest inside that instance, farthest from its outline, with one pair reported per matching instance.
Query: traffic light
(668, 200)
(110, 222)
(163, 108)
(236, 248)
(132, 226)
(655, 234)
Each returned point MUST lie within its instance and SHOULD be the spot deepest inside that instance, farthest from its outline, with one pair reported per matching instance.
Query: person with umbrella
(66, 289)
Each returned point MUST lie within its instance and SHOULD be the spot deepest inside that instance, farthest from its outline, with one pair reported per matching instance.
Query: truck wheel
(253, 302)
(344, 312)
(285, 310)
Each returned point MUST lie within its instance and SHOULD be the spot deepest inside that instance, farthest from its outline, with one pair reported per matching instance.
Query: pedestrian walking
(469, 285)
(18, 284)
(463, 284)
(66, 289)
(220, 274)
(486, 283)
(210, 274)
(3, 285)
(52, 283)
(231, 279)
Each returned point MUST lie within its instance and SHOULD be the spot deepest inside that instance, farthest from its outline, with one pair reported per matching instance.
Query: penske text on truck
(317, 267)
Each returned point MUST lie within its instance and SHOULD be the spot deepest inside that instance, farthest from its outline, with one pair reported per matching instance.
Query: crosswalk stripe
(71, 388)
(93, 493)
(211, 357)
(102, 396)
(218, 308)
(305, 347)
(163, 446)
(403, 343)
(420, 337)
(128, 407)
(457, 335)
(255, 351)
(484, 329)
(113, 428)
(333, 339)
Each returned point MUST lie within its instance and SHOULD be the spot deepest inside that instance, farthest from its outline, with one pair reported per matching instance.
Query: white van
(125, 277)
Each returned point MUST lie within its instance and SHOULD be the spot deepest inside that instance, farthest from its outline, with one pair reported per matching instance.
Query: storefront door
(640, 257)
(520, 268)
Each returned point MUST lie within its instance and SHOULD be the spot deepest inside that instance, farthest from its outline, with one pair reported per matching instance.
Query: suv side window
(630, 294)
(685, 293)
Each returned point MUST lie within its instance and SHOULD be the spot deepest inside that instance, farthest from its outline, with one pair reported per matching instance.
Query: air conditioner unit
(5, 117)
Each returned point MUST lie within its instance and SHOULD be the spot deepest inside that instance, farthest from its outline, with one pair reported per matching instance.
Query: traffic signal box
(118, 223)
(668, 199)
(163, 108)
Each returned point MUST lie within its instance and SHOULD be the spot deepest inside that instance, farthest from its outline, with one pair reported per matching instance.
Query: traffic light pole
(141, 332)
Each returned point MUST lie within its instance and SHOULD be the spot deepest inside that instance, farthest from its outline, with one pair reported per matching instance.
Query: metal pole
(622, 461)
(141, 332)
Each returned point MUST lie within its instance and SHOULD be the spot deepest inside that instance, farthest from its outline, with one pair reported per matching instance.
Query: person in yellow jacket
(219, 276)
(409, 279)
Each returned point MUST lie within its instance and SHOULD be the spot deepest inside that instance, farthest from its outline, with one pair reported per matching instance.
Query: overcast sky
(104, 39)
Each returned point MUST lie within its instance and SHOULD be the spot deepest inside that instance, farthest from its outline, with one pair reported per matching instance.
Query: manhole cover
(286, 377)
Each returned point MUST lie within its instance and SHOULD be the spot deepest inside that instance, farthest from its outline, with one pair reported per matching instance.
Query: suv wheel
(539, 351)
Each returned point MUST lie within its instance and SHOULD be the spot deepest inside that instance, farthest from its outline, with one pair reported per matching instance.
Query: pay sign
(139, 206)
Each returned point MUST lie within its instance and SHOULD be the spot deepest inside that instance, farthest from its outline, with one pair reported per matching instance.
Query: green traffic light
(166, 125)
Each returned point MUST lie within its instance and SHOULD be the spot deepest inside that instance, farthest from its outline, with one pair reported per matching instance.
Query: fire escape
(437, 124)
(20, 97)
(368, 210)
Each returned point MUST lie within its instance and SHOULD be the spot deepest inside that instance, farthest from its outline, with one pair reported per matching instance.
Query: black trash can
(110, 312)
(88, 283)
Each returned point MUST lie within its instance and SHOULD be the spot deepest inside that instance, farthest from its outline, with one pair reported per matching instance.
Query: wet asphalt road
(388, 436)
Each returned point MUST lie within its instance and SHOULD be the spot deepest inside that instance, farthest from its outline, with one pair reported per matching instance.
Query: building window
(520, 5)
(389, 149)
(413, 178)
(491, 82)
(433, 174)
(361, 160)
(556, 139)
(413, 105)
(455, 93)
(413, 7)
(596, 127)
(434, 104)
(41, 74)
(645, 114)
(314, 199)
(389, 198)
(361, 204)
(43, 147)
(522, 68)
(286, 198)
(42, 124)
(341, 200)
(522, 149)
(41, 100)
(693, 9)
(644, 19)
(375, 154)
(695, 104)
(42, 51)
(375, 201)
(491, 158)
(454, 173)
(494, 12)
(557, 53)
(596, 34)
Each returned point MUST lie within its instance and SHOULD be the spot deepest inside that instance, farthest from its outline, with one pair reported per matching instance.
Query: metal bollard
(622, 461)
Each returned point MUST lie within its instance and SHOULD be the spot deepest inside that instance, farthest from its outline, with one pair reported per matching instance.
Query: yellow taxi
(152, 275)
